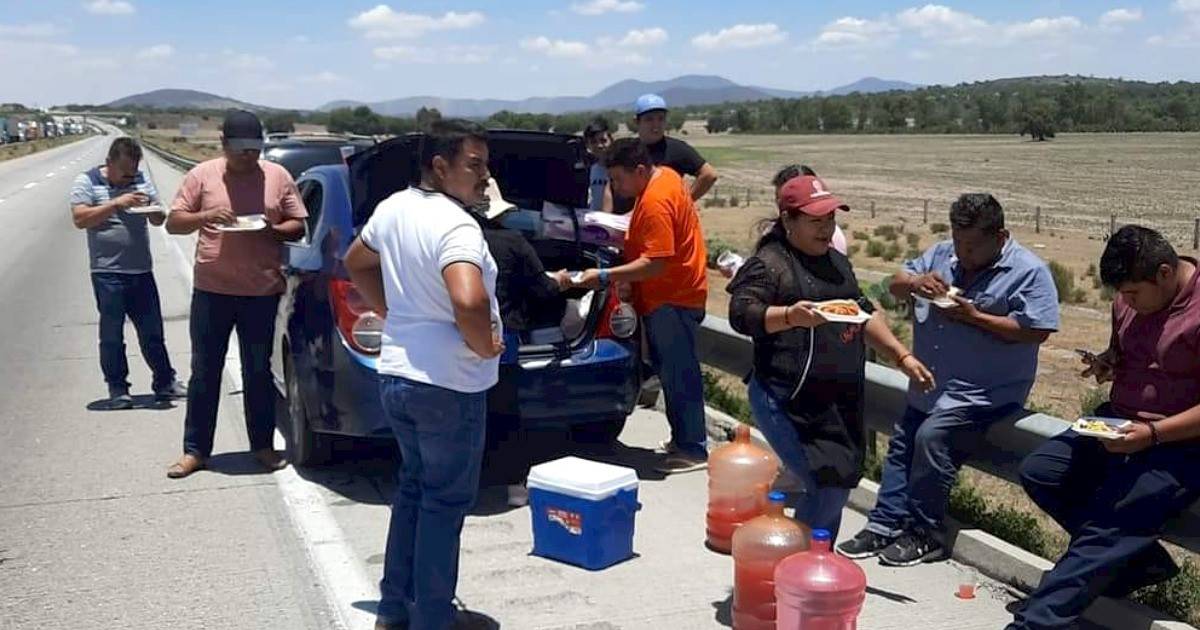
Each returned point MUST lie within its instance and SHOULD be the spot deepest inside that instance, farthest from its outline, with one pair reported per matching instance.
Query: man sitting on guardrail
(984, 304)
(1113, 496)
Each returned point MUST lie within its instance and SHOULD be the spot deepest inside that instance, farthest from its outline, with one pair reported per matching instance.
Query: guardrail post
(872, 209)
(1112, 224)
(1196, 234)
(925, 214)
(1037, 220)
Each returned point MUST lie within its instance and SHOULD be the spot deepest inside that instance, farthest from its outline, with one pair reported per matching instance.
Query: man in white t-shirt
(422, 260)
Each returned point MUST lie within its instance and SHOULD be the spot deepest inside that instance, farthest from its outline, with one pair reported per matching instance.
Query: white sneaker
(518, 495)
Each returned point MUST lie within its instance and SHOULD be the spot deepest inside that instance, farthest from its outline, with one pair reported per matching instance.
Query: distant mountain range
(680, 92)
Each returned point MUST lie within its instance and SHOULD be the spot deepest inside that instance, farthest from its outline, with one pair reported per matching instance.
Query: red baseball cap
(809, 195)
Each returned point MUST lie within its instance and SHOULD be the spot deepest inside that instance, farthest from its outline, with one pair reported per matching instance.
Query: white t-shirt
(418, 234)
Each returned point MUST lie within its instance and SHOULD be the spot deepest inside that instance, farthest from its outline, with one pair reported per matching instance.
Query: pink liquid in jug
(818, 589)
(738, 475)
(759, 545)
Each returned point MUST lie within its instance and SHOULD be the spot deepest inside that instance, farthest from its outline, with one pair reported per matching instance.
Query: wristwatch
(603, 277)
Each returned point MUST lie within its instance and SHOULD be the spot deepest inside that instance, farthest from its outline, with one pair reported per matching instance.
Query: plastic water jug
(758, 546)
(818, 589)
(739, 475)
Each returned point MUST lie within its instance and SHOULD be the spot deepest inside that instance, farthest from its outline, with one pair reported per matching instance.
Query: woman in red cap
(806, 390)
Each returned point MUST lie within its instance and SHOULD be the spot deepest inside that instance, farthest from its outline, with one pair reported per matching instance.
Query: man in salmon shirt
(1113, 496)
(237, 283)
(665, 262)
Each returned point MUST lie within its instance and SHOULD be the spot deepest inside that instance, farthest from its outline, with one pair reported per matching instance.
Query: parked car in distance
(300, 152)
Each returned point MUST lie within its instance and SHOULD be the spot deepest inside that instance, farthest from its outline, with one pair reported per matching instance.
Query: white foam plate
(1115, 423)
(946, 302)
(246, 223)
(154, 209)
(862, 317)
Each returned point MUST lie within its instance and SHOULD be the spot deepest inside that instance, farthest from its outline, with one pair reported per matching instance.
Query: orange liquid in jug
(738, 475)
(725, 516)
(754, 596)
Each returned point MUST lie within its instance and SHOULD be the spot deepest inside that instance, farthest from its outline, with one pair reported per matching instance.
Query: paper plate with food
(245, 223)
(947, 300)
(842, 312)
(1102, 428)
(152, 209)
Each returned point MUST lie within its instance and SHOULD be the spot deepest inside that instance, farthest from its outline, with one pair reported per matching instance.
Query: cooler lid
(582, 478)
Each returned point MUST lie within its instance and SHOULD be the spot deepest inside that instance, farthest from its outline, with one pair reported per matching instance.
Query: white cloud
(600, 7)
(1186, 6)
(1116, 19)
(555, 48)
(160, 51)
(852, 32)
(740, 36)
(1043, 28)
(109, 7)
(300, 39)
(384, 23)
(935, 21)
(643, 38)
(457, 55)
(248, 62)
(40, 29)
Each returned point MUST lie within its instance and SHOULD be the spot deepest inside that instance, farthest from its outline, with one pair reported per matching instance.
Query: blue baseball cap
(649, 103)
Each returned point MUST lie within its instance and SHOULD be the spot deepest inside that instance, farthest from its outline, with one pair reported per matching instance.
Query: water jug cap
(821, 534)
(776, 496)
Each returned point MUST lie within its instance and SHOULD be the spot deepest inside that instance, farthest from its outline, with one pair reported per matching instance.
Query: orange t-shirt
(240, 263)
(665, 225)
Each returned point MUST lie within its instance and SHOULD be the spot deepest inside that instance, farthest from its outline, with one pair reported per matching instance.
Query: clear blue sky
(303, 54)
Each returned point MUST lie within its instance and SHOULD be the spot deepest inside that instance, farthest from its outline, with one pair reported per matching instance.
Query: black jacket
(528, 298)
(817, 373)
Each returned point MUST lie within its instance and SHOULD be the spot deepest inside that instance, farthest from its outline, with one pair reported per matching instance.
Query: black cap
(242, 131)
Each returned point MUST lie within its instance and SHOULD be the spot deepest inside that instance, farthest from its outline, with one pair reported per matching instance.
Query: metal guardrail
(721, 347)
(172, 158)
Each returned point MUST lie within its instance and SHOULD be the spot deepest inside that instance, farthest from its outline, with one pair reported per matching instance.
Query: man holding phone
(112, 202)
(1114, 495)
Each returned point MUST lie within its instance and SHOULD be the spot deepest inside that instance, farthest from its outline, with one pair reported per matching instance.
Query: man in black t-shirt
(651, 111)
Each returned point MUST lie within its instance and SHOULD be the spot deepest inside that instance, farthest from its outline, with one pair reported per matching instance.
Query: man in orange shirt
(665, 262)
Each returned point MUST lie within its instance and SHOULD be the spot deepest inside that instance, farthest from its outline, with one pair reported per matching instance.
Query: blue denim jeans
(214, 317)
(441, 436)
(671, 335)
(817, 507)
(120, 295)
(924, 456)
(1114, 508)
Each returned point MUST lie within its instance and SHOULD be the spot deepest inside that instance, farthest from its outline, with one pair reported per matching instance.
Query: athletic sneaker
(518, 495)
(866, 544)
(174, 391)
(911, 549)
(119, 399)
(679, 462)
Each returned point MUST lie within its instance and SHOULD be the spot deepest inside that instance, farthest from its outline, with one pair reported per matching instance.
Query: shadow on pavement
(724, 611)
(235, 465)
(890, 596)
(140, 402)
(464, 620)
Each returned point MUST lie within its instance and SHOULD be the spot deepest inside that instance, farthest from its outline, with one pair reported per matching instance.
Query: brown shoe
(270, 460)
(186, 465)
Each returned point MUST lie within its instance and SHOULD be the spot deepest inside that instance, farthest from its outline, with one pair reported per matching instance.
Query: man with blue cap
(676, 154)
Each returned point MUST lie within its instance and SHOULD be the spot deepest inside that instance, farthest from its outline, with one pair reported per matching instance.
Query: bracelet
(787, 316)
(603, 276)
(1153, 434)
(900, 360)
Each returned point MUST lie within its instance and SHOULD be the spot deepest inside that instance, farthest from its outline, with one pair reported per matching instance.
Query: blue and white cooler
(583, 511)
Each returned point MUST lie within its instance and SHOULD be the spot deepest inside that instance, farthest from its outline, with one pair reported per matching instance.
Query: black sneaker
(912, 549)
(119, 399)
(864, 545)
(174, 391)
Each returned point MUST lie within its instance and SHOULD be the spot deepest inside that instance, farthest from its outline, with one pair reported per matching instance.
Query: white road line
(49, 175)
(30, 185)
(329, 553)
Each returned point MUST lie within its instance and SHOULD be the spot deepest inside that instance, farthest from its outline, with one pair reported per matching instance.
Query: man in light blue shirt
(983, 306)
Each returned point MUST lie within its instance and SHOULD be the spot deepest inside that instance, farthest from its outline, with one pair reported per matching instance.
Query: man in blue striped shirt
(113, 203)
